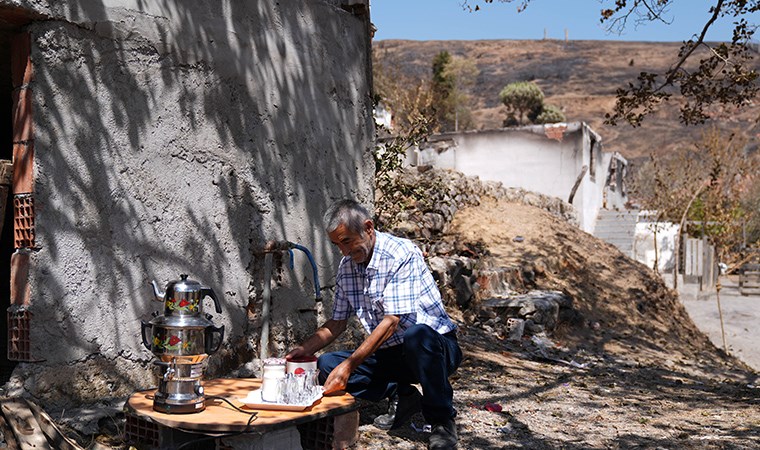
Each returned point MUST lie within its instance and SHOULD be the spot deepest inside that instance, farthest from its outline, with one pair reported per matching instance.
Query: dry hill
(579, 76)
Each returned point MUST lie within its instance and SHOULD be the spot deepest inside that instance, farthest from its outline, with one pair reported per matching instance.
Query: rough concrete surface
(178, 137)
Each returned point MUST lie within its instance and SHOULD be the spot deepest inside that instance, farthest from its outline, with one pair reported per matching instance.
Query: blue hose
(317, 289)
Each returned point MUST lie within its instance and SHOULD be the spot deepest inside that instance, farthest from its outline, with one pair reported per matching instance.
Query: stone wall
(425, 200)
(421, 208)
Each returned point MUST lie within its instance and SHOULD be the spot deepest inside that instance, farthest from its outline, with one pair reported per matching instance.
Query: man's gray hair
(347, 212)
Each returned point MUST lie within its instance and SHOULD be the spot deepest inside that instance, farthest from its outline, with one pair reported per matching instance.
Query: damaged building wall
(548, 159)
(178, 137)
(590, 193)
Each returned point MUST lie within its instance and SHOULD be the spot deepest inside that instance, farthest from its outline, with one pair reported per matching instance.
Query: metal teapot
(172, 336)
(184, 297)
(183, 329)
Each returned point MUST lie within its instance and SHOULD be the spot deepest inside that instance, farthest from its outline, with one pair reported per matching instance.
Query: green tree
(525, 100)
(442, 86)
(453, 78)
(521, 99)
(550, 114)
(702, 73)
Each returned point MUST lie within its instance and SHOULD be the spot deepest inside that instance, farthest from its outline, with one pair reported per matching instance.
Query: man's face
(356, 245)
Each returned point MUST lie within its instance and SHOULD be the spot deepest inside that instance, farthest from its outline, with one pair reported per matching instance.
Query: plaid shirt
(396, 281)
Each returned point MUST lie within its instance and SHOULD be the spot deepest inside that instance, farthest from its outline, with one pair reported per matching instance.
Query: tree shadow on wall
(177, 139)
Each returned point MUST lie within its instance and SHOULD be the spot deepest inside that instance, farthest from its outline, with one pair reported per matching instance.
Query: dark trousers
(426, 357)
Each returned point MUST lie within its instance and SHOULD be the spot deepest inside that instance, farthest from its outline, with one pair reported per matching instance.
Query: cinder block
(346, 430)
(23, 221)
(286, 439)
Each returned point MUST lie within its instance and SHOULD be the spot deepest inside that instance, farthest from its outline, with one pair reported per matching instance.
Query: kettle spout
(160, 296)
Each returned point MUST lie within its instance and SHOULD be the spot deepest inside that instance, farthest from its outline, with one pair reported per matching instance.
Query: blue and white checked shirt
(396, 281)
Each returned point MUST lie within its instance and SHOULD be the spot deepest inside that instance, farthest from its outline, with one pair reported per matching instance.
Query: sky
(447, 20)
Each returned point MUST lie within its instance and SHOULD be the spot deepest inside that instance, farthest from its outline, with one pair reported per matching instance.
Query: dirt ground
(633, 373)
(741, 315)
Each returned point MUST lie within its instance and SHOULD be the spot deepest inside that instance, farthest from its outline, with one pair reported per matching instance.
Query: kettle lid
(183, 285)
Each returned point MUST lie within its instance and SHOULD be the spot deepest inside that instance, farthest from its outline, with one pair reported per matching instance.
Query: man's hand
(338, 378)
(298, 352)
(322, 337)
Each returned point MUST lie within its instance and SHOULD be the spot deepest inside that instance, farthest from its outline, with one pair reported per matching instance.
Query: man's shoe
(401, 408)
(443, 436)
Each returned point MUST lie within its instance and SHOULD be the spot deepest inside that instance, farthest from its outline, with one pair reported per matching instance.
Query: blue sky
(446, 20)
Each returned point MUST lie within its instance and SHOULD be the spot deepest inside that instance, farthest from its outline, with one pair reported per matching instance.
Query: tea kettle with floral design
(184, 297)
(183, 329)
(182, 339)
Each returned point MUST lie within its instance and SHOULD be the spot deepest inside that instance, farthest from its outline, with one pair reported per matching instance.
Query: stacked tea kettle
(182, 339)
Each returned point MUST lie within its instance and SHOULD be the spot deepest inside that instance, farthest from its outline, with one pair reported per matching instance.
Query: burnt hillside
(580, 77)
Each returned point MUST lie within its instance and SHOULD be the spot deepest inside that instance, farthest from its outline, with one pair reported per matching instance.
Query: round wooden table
(219, 417)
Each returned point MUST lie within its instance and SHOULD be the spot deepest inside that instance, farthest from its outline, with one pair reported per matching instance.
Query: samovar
(182, 338)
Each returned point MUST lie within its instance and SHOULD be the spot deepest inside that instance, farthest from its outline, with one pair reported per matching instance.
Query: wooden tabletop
(219, 417)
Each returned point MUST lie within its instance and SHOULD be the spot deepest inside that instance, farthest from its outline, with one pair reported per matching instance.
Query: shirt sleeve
(341, 307)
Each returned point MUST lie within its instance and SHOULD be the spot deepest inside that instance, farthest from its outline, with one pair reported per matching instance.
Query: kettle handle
(210, 331)
(145, 325)
(210, 292)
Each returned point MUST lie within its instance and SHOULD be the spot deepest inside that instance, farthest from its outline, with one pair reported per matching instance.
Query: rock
(464, 292)
(434, 222)
(539, 309)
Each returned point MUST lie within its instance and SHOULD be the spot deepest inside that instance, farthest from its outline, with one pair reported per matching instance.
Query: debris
(515, 328)
(493, 407)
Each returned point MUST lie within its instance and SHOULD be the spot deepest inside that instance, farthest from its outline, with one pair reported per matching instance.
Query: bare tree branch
(726, 76)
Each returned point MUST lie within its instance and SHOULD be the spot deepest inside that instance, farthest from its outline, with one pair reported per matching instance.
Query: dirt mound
(633, 373)
(625, 307)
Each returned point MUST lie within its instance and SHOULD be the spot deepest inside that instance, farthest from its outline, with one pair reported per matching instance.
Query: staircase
(618, 228)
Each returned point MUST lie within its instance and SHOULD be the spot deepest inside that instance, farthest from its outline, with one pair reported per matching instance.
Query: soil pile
(621, 303)
(630, 371)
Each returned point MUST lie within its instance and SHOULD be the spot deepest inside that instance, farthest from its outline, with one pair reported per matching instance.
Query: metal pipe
(265, 302)
(282, 246)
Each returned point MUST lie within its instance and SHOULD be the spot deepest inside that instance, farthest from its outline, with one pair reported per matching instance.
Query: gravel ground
(509, 397)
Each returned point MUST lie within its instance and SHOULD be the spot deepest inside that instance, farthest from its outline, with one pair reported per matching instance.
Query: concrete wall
(544, 158)
(177, 137)
(646, 251)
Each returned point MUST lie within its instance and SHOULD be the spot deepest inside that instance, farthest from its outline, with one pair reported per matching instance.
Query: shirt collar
(374, 262)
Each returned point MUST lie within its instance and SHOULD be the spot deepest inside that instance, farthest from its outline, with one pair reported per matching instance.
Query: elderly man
(384, 280)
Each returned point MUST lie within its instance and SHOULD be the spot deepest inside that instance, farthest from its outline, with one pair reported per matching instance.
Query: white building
(563, 160)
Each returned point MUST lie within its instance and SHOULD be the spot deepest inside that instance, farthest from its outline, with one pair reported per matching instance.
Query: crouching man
(384, 280)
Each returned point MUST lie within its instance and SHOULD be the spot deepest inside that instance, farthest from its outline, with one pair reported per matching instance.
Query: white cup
(273, 372)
